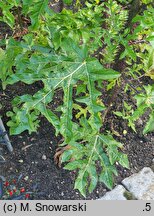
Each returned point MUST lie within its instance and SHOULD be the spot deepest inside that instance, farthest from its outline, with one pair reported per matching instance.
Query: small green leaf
(93, 177)
(8, 17)
(119, 114)
(131, 124)
(66, 156)
(36, 10)
(98, 72)
(108, 140)
(23, 121)
(80, 89)
(112, 153)
(68, 1)
(123, 160)
(107, 178)
(150, 124)
(74, 165)
(127, 107)
(81, 182)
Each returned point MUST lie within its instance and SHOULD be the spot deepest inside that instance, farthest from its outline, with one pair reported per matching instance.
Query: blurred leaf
(68, 2)
(150, 124)
(123, 160)
(107, 177)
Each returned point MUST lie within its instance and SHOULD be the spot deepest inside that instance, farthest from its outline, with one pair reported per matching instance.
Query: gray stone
(44, 157)
(141, 185)
(116, 194)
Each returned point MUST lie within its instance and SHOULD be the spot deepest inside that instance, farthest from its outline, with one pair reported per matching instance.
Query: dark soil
(33, 156)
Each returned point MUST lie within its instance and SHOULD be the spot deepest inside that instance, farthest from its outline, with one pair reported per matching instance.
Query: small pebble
(26, 178)
(44, 157)
(124, 132)
(152, 139)
(32, 139)
(21, 161)
(139, 122)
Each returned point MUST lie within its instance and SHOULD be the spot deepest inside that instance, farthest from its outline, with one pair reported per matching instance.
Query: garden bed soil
(33, 155)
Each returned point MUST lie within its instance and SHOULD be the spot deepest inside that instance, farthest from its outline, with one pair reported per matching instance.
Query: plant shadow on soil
(33, 155)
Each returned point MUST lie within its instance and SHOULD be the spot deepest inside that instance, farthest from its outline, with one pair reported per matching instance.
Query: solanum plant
(73, 52)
